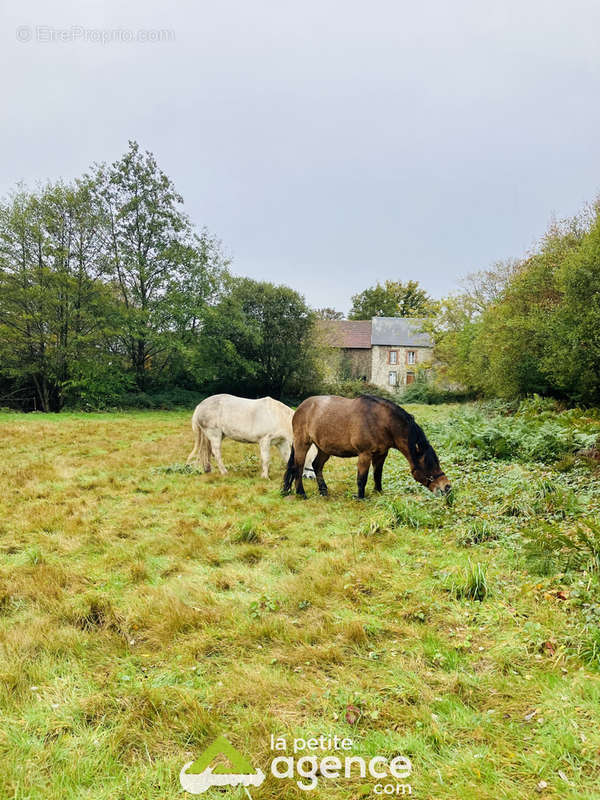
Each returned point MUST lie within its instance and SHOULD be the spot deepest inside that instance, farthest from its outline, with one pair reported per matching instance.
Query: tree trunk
(140, 364)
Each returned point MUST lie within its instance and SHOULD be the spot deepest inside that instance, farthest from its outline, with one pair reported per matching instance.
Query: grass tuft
(409, 513)
(91, 611)
(247, 531)
(477, 532)
(472, 584)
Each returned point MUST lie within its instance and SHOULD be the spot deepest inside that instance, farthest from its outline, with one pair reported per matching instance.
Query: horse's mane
(418, 443)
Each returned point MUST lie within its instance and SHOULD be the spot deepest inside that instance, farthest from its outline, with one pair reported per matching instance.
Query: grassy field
(145, 609)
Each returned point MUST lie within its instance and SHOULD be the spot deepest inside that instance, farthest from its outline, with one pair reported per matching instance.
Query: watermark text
(47, 34)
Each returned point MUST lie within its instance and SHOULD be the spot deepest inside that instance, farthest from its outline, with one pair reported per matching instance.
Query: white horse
(265, 421)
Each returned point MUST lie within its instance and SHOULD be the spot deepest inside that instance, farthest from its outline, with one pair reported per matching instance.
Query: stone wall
(380, 366)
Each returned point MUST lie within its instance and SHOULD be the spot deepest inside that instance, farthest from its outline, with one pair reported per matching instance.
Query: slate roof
(347, 333)
(399, 331)
(361, 334)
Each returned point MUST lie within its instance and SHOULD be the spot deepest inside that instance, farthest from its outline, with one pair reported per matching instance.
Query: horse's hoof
(302, 496)
(357, 497)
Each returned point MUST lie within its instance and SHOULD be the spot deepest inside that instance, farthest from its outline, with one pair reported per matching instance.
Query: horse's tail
(290, 473)
(202, 449)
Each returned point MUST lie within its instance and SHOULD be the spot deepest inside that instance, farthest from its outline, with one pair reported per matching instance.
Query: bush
(166, 399)
(549, 548)
(532, 407)
(418, 392)
(423, 392)
(544, 439)
(498, 406)
(354, 388)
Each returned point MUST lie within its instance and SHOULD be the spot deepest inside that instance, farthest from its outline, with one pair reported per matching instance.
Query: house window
(392, 378)
(411, 357)
(393, 357)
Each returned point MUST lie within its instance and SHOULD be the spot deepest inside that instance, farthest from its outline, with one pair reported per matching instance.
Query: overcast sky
(327, 144)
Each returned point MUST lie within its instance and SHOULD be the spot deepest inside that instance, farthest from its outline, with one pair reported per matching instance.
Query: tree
(328, 313)
(165, 273)
(529, 327)
(393, 299)
(487, 286)
(454, 330)
(56, 316)
(258, 339)
(103, 286)
(572, 356)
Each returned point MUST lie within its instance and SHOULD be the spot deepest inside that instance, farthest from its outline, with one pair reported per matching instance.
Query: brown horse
(365, 427)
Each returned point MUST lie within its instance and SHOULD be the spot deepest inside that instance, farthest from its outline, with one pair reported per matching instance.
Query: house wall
(380, 366)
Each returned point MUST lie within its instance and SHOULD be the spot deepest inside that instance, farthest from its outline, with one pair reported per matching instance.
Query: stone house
(386, 351)
(398, 349)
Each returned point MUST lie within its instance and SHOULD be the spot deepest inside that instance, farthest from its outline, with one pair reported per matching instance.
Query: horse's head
(426, 469)
(422, 458)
